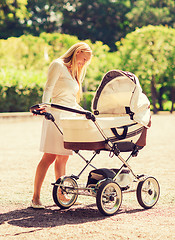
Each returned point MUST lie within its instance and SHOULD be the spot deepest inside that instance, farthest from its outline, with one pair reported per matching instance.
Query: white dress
(62, 89)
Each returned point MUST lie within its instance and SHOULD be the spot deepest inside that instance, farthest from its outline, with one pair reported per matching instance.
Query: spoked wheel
(109, 197)
(148, 192)
(64, 192)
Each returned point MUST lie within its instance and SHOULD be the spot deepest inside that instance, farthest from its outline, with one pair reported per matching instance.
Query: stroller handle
(35, 108)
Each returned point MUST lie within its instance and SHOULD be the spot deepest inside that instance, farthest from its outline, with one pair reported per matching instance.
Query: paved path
(19, 155)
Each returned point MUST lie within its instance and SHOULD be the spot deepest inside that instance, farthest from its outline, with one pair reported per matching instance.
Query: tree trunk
(172, 99)
(154, 95)
(161, 92)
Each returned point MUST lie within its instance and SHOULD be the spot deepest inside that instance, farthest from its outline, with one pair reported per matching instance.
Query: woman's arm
(53, 74)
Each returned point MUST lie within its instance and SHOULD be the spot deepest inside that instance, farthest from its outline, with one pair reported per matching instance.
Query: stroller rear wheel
(65, 192)
(148, 192)
(109, 197)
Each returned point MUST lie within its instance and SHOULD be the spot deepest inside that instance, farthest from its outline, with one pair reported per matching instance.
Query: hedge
(24, 63)
(16, 99)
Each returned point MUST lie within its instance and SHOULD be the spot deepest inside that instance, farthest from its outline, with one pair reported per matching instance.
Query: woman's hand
(39, 111)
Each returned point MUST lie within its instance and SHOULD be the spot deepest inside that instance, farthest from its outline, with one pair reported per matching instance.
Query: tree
(149, 53)
(151, 12)
(44, 17)
(20, 17)
(110, 20)
(101, 20)
(12, 14)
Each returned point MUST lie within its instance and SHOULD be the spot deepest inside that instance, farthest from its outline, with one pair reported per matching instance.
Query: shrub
(16, 99)
(24, 63)
(86, 100)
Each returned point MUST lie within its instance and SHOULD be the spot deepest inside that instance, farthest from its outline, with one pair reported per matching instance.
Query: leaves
(149, 53)
(24, 64)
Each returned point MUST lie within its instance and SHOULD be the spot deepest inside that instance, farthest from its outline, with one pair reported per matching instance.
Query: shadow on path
(50, 217)
(53, 216)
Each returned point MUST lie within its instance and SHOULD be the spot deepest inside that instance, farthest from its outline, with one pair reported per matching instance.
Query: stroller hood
(120, 92)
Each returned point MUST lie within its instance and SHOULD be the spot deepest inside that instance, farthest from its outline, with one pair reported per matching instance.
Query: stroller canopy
(121, 93)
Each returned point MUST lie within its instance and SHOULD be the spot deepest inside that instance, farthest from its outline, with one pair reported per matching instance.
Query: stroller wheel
(109, 197)
(148, 192)
(65, 192)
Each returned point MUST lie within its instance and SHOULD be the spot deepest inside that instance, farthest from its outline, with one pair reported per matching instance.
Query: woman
(63, 87)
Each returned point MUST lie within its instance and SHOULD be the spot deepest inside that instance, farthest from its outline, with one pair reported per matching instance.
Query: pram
(120, 119)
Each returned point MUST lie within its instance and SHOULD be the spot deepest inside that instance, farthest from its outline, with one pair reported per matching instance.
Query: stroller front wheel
(65, 192)
(148, 192)
(109, 197)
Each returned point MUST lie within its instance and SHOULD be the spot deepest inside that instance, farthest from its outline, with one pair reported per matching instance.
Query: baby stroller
(119, 122)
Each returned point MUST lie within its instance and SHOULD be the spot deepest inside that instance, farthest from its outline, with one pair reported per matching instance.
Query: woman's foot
(37, 205)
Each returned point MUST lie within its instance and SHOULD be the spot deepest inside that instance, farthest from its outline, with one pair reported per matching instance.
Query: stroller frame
(107, 191)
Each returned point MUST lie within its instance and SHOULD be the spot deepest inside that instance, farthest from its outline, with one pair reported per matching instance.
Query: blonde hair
(69, 59)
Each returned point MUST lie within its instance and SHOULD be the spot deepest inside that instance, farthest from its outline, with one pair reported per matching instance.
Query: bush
(16, 99)
(86, 100)
(24, 63)
(25, 60)
(20, 89)
(149, 53)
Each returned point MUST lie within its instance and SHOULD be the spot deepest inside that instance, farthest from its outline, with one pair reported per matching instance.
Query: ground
(19, 155)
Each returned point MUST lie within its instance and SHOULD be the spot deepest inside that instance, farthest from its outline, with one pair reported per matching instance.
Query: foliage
(86, 100)
(101, 20)
(149, 52)
(12, 15)
(23, 53)
(24, 63)
(43, 17)
(15, 98)
(154, 12)
(20, 89)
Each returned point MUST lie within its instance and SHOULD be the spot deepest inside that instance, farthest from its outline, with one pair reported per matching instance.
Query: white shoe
(78, 203)
(37, 206)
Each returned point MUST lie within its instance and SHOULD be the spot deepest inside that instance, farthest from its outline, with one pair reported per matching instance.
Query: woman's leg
(41, 170)
(60, 165)
(60, 169)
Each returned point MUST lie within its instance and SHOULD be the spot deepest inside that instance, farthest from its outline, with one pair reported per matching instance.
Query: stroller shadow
(52, 216)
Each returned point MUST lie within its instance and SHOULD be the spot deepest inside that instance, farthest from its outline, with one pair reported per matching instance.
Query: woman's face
(82, 57)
